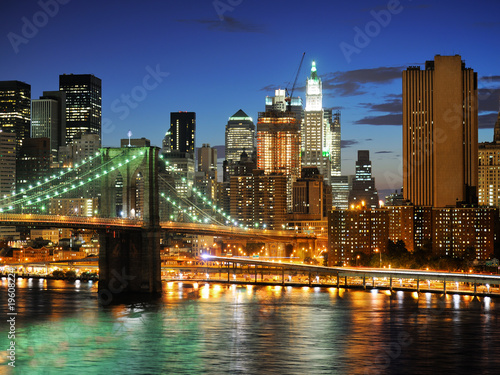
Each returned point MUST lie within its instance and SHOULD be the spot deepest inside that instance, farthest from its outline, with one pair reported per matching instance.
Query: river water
(228, 329)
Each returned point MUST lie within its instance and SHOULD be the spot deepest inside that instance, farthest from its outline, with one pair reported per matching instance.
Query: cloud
(393, 106)
(490, 79)
(351, 82)
(269, 88)
(487, 121)
(390, 119)
(488, 99)
(228, 24)
(345, 143)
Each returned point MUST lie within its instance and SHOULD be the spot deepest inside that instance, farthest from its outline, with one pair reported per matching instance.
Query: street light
(380, 257)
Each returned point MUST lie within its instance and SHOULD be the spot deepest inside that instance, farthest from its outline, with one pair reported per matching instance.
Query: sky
(214, 57)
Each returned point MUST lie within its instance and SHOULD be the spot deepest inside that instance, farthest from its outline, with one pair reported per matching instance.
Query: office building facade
(489, 170)
(320, 131)
(440, 133)
(240, 136)
(182, 133)
(278, 147)
(363, 191)
(83, 104)
(48, 119)
(15, 109)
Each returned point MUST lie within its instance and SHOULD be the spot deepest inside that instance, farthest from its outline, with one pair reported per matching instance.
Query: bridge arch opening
(118, 195)
(137, 195)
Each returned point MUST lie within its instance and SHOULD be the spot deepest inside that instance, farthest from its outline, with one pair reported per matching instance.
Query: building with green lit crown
(320, 131)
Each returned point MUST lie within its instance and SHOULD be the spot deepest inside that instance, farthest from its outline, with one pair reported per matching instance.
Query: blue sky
(215, 57)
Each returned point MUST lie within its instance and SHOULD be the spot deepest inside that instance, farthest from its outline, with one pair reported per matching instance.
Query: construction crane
(288, 98)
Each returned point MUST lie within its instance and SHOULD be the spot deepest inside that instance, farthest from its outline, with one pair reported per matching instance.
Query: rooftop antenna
(129, 134)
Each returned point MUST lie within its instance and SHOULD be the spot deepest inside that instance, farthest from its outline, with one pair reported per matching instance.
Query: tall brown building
(440, 133)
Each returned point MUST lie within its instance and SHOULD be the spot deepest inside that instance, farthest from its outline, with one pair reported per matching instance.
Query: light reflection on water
(234, 329)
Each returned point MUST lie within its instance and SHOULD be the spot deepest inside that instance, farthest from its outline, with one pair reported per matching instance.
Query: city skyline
(214, 60)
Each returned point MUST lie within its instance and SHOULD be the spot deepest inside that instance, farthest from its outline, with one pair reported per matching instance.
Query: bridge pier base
(129, 264)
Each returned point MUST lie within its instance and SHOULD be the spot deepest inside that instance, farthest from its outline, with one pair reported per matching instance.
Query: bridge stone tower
(129, 259)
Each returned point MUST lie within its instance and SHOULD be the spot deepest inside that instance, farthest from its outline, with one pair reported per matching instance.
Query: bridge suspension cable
(48, 180)
(206, 201)
(66, 186)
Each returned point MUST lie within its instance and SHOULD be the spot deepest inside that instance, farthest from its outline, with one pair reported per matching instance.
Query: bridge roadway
(119, 223)
(414, 277)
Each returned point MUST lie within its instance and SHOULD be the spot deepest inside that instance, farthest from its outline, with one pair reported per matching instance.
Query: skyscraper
(15, 109)
(320, 131)
(489, 170)
(7, 163)
(440, 133)
(363, 192)
(48, 119)
(83, 104)
(33, 162)
(240, 136)
(281, 103)
(182, 132)
(278, 147)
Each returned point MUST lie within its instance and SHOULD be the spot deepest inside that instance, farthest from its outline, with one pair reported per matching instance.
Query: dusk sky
(215, 57)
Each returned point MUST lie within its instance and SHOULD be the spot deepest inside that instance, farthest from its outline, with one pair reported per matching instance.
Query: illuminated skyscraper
(240, 136)
(320, 131)
(440, 133)
(281, 103)
(278, 147)
(363, 192)
(48, 119)
(15, 109)
(489, 170)
(182, 132)
(83, 104)
(7, 163)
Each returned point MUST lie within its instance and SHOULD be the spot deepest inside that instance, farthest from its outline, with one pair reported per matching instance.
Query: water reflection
(221, 329)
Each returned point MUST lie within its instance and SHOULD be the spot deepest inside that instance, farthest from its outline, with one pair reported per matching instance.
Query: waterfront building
(440, 133)
(83, 104)
(449, 231)
(259, 200)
